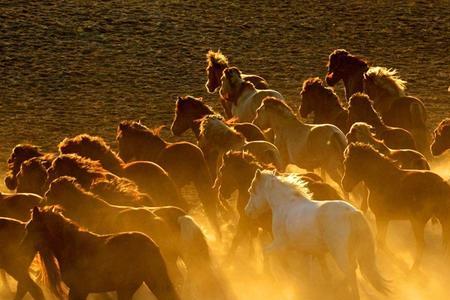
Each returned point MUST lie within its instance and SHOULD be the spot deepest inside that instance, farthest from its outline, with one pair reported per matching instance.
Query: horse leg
(418, 226)
(210, 203)
(28, 285)
(5, 282)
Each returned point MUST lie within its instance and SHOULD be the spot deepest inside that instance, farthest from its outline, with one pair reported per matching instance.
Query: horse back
(19, 205)
(259, 82)
(406, 112)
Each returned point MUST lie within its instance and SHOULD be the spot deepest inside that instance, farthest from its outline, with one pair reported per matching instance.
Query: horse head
(217, 62)
(441, 138)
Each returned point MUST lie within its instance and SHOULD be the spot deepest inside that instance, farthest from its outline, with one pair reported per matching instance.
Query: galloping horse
(217, 63)
(307, 146)
(243, 95)
(92, 263)
(396, 194)
(441, 138)
(316, 227)
(324, 103)
(183, 161)
(361, 110)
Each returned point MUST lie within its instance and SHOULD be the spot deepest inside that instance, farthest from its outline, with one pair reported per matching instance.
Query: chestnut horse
(151, 178)
(346, 67)
(397, 194)
(32, 177)
(190, 110)
(324, 103)
(441, 138)
(217, 63)
(244, 97)
(183, 161)
(361, 110)
(406, 158)
(92, 263)
(387, 91)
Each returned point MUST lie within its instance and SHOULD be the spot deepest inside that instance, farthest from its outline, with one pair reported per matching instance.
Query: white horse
(315, 227)
(243, 95)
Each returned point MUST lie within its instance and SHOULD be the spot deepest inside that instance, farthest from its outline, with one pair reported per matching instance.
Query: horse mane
(216, 59)
(137, 129)
(108, 188)
(33, 164)
(247, 158)
(369, 151)
(350, 58)
(93, 147)
(79, 163)
(443, 126)
(196, 101)
(280, 106)
(386, 79)
(214, 131)
(327, 93)
(295, 183)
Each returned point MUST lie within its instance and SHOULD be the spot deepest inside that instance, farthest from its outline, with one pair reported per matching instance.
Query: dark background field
(82, 66)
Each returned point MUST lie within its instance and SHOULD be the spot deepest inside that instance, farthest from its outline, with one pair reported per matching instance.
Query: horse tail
(51, 274)
(365, 252)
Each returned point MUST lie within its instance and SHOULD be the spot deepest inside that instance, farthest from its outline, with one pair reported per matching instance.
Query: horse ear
(35, 213)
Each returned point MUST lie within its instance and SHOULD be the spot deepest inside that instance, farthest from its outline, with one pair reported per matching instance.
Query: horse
(397, 194)
(91, 175)
(441, 138)
(305, 145)
(316, 227)
(93, 263)
(217, 63)
(236, 173)
(361, 110)
(387, 91)
(18, 205)
(16, 257)
(190, 110)
(21, 153)
(406, 158)
(324, 103)
(150, 178)
(244, 97)
(183, 161)
(346, 67)
(217, 137)
(32, 177)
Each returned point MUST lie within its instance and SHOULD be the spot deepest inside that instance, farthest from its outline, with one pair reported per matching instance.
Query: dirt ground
(82, 66)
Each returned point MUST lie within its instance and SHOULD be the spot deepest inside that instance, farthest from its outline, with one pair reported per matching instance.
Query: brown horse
(183, 161)
(32, 177)
(396, 194)
(387, 91)
(361, 110)
(151, 178)
(217, 63)
(324, 103)
(441, 138)
(92, 176)
(406, 158)
(190, 110)
(92, 263)
(346, 67)
(18, 205)
(16, 258)
(19, 154)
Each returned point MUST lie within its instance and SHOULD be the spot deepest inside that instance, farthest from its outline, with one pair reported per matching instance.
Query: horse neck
(244, 89)
(280, 123)
(376, 166)
(353, 82)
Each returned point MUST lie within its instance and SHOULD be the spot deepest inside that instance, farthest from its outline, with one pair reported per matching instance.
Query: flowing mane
(292, 181)
(280, 106)
(216, 59)
(326, 93)
(79, 164)
(214, 131)
(247, 158)
(370, 153)
(386, 79)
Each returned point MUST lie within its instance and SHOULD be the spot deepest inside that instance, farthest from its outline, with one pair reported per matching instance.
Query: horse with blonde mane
(183, 161)
(316, 227)
(324, 103)
(397, 194)
(305, 145)
(441, 138)
(406, 158)
(217, 63)
(150, 178)
(361, 110)
(190, 110)
(244, 97)
(91, 263)
(346, 67)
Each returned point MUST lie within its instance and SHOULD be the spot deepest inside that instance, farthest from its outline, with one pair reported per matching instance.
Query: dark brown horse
(32, 177)
(19, 154)
(324, 103)
(397, 194)
(361, 110)
(217, 62)
(441, 138)
(91, 263)
(190, 110)
(346, 67)
(151, 178)
(183, 161)
(387, 91)
(16, 258)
